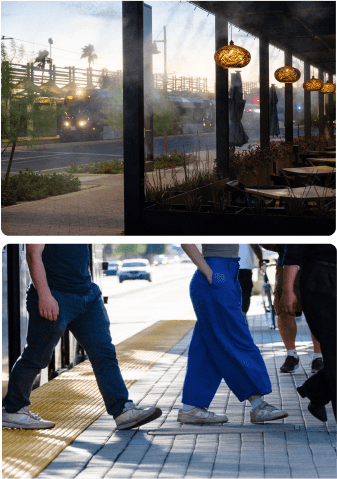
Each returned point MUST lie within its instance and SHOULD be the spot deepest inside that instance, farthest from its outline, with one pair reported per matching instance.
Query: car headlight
(82, 123)
(66, 123)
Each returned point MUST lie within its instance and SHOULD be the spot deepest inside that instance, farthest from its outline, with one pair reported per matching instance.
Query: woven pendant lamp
(232, 56)
(287, 74)
(314, 84)
(328, 88)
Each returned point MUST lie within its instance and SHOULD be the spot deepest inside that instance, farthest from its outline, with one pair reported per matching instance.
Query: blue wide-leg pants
(221, 346)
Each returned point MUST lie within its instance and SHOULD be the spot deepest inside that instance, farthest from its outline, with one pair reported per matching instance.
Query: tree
(88, 52)
(23, 112)
(165, 117)
(113, 113)
(41, 61)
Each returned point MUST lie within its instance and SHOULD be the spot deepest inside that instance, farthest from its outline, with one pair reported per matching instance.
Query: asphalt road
(61, 155)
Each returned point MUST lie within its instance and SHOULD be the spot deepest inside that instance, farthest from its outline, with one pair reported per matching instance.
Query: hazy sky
(72, 25)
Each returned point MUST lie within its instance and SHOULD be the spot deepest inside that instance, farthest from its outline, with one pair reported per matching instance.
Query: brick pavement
(307, 452)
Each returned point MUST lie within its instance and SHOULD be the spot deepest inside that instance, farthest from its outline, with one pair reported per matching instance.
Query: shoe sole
(200, 422)
(12, 425)
(140, 422)
(281, 416)
(296, 367)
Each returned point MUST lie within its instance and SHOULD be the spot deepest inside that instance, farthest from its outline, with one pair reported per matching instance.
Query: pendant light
(314, 84)
(232, 56)
(328, 88)
(287, 74)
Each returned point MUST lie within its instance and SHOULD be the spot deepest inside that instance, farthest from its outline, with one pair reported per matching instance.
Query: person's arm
(192, 251)
(48, 306)
(288, 298)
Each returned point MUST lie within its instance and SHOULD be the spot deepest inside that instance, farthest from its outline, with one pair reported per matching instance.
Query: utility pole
(165, 61)
(50, 41)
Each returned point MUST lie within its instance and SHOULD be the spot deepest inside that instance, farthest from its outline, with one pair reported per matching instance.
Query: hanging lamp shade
(232, 56)
(314, 84)
(328, 88)
(287, 74)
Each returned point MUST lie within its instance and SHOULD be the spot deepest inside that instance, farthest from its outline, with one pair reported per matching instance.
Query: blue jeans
(87, 319)
(221, 346)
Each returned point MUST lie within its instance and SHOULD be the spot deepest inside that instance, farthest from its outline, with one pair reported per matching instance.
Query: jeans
(86, 317)
(221, 346)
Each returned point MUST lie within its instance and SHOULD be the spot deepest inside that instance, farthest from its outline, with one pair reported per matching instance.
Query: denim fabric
(221, 346)
(87, 319)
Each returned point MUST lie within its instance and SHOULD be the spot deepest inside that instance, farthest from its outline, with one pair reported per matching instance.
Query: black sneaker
(316, 365)
(290, 364)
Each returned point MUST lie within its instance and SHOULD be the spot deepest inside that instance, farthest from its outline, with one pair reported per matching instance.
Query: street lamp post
(50, 41)
(165, 61)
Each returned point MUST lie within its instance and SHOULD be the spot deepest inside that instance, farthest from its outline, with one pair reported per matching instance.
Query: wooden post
(288, 107)
(320, 106)
(307, 103)
(264, 94)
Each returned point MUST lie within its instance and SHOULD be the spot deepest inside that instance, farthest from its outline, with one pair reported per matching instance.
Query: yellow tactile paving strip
(73, 401)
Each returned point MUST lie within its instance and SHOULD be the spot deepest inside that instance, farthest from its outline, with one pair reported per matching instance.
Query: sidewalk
(297, 447)
(96, 210)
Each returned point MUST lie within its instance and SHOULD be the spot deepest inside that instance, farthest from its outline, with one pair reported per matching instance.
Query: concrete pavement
(96, 210)
(299, 446)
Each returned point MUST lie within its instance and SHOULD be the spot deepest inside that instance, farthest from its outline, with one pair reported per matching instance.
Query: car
(113, 268)
(160, 259)
(186, 259)
(135, 269)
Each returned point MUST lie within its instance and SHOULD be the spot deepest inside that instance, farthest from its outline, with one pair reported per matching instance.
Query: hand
(209, 276)
(287, 302)
(48, 307)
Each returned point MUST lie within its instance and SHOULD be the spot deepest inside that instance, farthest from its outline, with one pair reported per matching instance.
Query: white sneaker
(200, 415)
(266, 412)
(133, 416)
(24, 419)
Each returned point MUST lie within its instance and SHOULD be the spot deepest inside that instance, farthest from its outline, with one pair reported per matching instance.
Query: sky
(73, 25)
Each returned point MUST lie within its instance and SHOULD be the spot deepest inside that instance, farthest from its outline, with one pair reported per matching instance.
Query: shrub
(113, 167)
(31, 186)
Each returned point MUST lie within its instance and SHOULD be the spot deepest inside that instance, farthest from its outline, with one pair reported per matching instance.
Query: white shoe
(24, 419)
(266, 412)
(200, 415)
(133, 416)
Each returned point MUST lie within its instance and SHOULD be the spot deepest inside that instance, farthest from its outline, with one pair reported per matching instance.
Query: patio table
(310, 170)
(307, 193)
(330, 161)
(319, 153)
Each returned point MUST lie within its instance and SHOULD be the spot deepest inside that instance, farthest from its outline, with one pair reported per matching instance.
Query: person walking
(63, 295)
(317, 263)
(221, 346)
(249, 254)
(287, 322)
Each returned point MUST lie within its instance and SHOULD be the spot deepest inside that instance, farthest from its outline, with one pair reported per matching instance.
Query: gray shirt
(220, 250)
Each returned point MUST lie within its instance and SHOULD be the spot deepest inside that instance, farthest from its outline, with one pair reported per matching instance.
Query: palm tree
(41, 61)
(88, 52)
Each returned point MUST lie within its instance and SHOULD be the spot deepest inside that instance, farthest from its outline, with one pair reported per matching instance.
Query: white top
(248, 259)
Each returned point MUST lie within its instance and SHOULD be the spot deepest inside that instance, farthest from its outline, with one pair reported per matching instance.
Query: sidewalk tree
(88, 52)
(41, 61)
(164, 117)
(113, 114)
(24, 113)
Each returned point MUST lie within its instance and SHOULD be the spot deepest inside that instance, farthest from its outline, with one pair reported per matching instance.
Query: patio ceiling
(305, 28)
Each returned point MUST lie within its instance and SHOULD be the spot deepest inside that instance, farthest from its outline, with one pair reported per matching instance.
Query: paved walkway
(299, 446)
(96, 210)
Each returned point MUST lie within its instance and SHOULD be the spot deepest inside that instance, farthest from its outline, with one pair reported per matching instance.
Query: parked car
(135, 269)
(160, 259)
(113, 268)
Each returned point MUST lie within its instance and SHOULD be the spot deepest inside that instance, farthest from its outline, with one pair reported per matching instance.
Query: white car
(135, 269)
(113, 268)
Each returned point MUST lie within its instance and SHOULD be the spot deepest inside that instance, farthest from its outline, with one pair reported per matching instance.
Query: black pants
(246, 283)
(318, 294)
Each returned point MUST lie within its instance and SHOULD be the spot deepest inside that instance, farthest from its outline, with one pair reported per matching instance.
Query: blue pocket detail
(220, 277)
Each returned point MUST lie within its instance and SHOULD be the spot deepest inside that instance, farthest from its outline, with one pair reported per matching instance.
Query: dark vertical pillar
(320, 106)
(221, 97)
(13, 275)
(307, 103)
(133, 115)
(288, 106)
(331, 95)
(148, 83)
(264, 93)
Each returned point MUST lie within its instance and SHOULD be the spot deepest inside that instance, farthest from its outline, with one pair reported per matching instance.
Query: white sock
(317, 355)
(292, 352)
(187, 407)
(255, 402)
